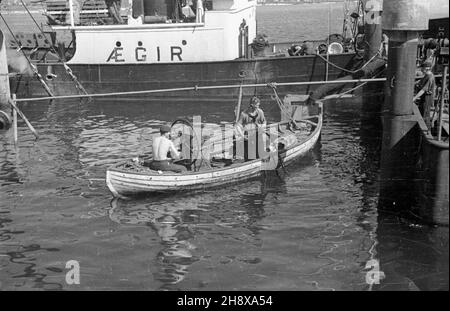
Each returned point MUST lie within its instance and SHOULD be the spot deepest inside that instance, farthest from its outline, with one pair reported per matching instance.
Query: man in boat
(249, 128)
(162, 145)
(426, 88)
(253, 115)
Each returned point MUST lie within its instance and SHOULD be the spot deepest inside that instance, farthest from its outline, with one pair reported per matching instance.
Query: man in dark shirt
(425, 92)
(248, 128)
(253, 114)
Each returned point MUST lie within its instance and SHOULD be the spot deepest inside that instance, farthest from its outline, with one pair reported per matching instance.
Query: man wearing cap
(425, 91)
(253, 114)
(162, 145)
(247, 127)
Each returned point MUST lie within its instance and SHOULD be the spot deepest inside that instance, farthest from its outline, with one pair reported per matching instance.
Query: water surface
(315, 226)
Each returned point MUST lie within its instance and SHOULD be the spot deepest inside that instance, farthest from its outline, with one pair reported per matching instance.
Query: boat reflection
(178, 219)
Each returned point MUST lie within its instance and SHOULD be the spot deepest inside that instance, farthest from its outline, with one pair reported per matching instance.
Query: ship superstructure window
(167, 11)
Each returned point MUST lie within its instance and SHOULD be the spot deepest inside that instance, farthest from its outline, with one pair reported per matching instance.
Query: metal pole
(22, 115)
(199, 18)
(238, 108)
(72, 20)
(402, 20)
(15, 135)
(5, 110)
(327, 68)
(441, 106)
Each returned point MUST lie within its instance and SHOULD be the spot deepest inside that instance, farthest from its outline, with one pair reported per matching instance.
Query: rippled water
(312, 227)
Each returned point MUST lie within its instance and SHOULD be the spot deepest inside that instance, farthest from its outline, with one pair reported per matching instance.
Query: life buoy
(335, 48)
(5, 120)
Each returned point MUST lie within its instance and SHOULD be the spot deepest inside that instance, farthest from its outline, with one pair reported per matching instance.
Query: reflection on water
(176, 225)
(175, 255)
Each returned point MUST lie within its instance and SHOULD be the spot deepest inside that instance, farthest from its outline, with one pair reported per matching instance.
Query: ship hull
(105, 78)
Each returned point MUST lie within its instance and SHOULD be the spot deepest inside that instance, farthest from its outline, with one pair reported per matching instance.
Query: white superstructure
(219, 34)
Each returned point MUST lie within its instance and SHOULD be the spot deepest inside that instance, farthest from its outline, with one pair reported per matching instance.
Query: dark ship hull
(116, 78)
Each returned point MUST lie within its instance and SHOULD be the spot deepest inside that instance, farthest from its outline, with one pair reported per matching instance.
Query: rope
(350, 71)
(280, 103)
(358, 86)
(196, 88)
(66, 67)
(33, 67)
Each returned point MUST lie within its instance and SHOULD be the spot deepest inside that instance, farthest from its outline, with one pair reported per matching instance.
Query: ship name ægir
(141, 53)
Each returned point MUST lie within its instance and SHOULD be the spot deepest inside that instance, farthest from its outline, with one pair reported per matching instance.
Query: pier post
(5, 108)
(402, 21)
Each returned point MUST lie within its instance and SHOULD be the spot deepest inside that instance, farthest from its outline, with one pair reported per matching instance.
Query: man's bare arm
(173, 151)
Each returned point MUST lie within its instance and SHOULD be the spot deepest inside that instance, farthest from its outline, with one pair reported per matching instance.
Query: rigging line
(284, 110)
(66, 67)
(33, 67)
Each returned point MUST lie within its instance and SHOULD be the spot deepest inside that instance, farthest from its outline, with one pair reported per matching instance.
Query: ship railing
(92, 12)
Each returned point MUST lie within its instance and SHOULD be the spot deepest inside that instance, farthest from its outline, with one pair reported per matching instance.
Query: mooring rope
(346, 70)
(197, 88)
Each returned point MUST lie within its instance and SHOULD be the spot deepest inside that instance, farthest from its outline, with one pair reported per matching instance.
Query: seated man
(162, 145)
(249, 122)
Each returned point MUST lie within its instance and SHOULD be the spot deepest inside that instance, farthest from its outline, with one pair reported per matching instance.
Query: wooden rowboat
(128, 178)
